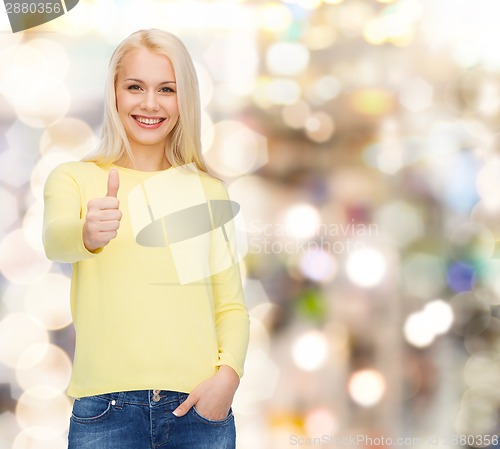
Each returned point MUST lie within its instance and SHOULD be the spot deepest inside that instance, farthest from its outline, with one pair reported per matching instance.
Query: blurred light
(40, 437)
(327, 88)
(487, 215)
(301, 221)
(43, 57)
(487, 285)
(296, 114)
(471, 242)
(259, 335)
(207, 131)
(460, 276)
(10, 212)
(318, 266)
(8, 423)
(416, 95)
(42, 170)
(236, 149)
(366, 267)
(79, 22)
(421, 328)
(477, 418)
(465, 307)
(52, 369)
(394, 24)
(372, 102)
(32, 226)
(254, 206)
(310, 350)
(274, 17)
(43, 406)
(45, 108)
(482, 368)
(100, 14)
(320, 37)
(19, 261)
(392, 151)
(401, 221)
(259, 382)
(488, 100)
(40, 100)
(287, 58)
(319, 127)
(374, 32)
(488, 183)
(255, 294)
(417, 331)
(234, 60)
(69, 135)
(321, 421)
(308, 4)
(206, 85)
(260, 96)
(23, 163)
(283, 91)
(439, 316)
(48, 300)
(333, 2)
(19, 331)
(366, 387)
(423, 275)
(459, 171)
(352, 16)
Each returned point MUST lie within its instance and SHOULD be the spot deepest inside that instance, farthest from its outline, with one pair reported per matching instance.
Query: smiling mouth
(147, 120)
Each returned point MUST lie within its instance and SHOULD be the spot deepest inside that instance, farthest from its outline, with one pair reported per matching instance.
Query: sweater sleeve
(231, 315)
(62, 219)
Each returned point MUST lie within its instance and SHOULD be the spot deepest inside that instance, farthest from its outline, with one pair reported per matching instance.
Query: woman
(156, 296)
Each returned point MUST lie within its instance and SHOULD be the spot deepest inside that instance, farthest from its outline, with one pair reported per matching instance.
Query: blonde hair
(184, 145)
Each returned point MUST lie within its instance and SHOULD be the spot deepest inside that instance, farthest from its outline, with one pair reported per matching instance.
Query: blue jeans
(144, 420)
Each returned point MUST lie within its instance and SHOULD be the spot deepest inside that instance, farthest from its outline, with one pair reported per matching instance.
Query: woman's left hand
(213, 397)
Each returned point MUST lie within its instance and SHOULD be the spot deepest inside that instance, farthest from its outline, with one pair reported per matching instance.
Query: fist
(103, 216)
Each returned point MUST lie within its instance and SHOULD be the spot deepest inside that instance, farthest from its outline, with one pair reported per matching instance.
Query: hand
(103, 216)
(213, 397)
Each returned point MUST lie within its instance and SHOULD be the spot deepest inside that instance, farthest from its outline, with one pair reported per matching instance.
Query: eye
(134, 87)
(167, 89)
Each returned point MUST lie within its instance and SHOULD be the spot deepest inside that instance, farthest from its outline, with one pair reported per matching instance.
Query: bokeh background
(361, 139)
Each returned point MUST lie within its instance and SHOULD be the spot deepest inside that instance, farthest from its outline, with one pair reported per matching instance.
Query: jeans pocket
(91, 408)
(205, 420)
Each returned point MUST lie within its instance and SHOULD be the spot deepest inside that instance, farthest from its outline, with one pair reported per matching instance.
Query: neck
(145, 161)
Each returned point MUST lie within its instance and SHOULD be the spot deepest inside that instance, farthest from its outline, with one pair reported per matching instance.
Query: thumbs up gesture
(103, 216)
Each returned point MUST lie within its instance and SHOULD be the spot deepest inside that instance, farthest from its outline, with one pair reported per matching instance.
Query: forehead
(146, 65)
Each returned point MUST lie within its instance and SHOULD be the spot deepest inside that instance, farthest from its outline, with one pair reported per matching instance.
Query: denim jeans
(143, 419)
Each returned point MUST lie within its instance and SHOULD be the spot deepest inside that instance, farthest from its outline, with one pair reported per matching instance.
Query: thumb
(185, 406)
(113, 183)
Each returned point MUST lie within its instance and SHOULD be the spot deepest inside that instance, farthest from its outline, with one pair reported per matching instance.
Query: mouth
(148, 122)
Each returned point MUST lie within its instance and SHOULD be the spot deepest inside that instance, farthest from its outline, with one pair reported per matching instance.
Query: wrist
(229, 375)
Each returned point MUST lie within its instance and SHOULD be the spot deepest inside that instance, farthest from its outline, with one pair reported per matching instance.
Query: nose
(150, 102)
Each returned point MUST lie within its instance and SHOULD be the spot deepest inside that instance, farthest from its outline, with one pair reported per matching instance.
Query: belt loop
(120, 399)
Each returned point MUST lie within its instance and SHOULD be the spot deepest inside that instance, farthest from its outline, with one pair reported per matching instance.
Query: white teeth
(148, 121)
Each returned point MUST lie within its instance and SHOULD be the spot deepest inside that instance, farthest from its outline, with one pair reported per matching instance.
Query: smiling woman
(158, 356)
(146, 100)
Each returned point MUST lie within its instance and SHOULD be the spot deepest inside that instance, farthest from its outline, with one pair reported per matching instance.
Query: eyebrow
(140, 81)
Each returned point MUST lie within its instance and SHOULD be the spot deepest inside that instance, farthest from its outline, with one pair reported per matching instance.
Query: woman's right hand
(103, 216)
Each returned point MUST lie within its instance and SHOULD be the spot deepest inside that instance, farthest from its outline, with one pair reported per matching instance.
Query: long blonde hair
(184, 145)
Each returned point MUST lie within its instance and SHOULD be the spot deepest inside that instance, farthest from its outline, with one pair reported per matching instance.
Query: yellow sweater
(161, 306)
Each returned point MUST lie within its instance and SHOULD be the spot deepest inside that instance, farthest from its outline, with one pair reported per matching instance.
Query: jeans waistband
(144, 397)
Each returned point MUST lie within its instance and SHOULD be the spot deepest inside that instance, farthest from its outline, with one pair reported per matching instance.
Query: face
(146, 99)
